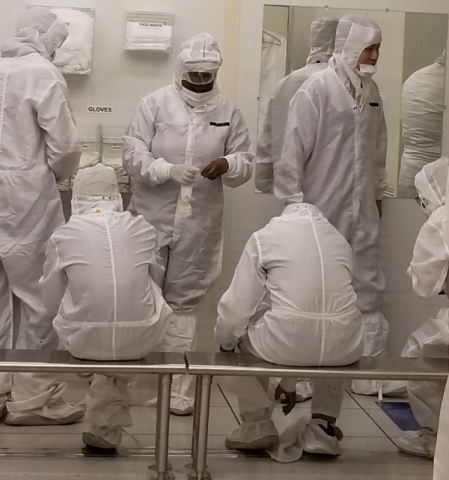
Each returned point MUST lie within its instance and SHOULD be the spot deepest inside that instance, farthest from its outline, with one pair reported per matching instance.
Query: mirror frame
(252, 12)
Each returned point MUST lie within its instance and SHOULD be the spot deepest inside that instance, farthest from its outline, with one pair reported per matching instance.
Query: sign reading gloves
(99, 109)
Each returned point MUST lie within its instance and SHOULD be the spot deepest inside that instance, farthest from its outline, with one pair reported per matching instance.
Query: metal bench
(206, 365)
(162, 364)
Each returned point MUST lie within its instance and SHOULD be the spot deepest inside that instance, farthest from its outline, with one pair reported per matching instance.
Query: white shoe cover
(304, 390)
(417, 443)
(317, 441)
(260, 435)
(291, 445)
(106, 438)
(373, 387)
(51, 416)
(181, 405)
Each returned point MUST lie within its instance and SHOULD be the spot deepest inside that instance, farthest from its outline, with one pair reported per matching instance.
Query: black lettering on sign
(223, 124)
(99, 109)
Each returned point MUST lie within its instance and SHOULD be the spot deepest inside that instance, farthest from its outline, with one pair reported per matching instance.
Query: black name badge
(223, 124)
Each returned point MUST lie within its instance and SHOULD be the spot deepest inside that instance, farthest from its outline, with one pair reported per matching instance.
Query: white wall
(425, 40)
(276, 20)
(119, 78)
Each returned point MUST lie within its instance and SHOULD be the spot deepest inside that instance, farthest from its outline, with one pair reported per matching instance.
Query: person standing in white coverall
(334, 155)
(271, 139)
(39, 147)
(99, 281)
(291, 302)
(184, 143)
(428, 270)
(422, 123)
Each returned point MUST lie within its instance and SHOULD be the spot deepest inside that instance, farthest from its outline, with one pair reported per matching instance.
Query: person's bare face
(369, 56)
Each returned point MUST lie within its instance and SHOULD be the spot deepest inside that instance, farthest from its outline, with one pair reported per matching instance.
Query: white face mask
(367, 70)
(196, 99)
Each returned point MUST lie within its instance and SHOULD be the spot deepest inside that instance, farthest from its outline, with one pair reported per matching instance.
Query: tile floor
(369, 453)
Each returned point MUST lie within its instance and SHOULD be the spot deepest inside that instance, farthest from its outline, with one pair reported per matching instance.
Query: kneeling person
(100, 280)
(291, 302)
(429, 273)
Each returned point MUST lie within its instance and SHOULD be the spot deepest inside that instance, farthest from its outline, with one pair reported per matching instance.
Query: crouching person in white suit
(100, 280)
(429, 272)
(291, 302)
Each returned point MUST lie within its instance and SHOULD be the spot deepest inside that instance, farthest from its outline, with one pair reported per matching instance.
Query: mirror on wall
(410, 76)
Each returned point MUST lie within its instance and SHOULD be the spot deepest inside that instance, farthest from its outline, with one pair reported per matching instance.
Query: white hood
(38, 30)
(322, 39)
(198, 54)
(430, 183)
(95, 190)
(354, 34)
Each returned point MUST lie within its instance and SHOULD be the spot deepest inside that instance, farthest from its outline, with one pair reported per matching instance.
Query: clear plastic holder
(90, 152)
(111, 154)
(151, 32)
(75, 56)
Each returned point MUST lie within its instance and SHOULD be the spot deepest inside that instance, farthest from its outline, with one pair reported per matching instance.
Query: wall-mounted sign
(100, 109)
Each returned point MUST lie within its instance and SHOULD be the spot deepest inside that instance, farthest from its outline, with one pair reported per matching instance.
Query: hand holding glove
(290, 399)
(215, 169)
(183, 174)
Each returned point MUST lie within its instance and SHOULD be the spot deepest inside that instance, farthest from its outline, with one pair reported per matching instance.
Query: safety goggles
(199, 78)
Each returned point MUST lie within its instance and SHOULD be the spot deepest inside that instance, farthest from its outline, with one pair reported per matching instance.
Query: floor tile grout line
(372, 419)
(228, 403)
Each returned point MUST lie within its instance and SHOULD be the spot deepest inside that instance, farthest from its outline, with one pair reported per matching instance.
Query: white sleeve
(243, 297)
(157, 269)
(381, 159)
(299, 143)
(264, 155)
(238, 152)
(63, 147)
(53, 283)
(138, 160)
(429, 265)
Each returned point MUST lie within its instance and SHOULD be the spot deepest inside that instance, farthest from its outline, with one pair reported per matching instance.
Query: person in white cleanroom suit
(291, 302)
(39, 147)
(428, 270)
(99, 281)
(184, 143)
(271, 139)
(422, 123)
(334, 154)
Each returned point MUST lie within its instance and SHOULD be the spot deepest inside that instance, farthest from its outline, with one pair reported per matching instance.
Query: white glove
(183, 174)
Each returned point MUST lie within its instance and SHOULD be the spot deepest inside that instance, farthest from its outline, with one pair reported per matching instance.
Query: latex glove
(290, 399)
(215, 169)
(183, 174)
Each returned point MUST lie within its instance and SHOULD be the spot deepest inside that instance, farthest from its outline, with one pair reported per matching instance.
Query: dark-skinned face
(197, 88)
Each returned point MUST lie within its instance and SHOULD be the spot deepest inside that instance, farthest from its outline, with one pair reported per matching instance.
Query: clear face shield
(199, 78)
(198, 82)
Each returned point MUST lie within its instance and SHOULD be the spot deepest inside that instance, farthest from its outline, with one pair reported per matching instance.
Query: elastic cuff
(233, 164)
(161, 169)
